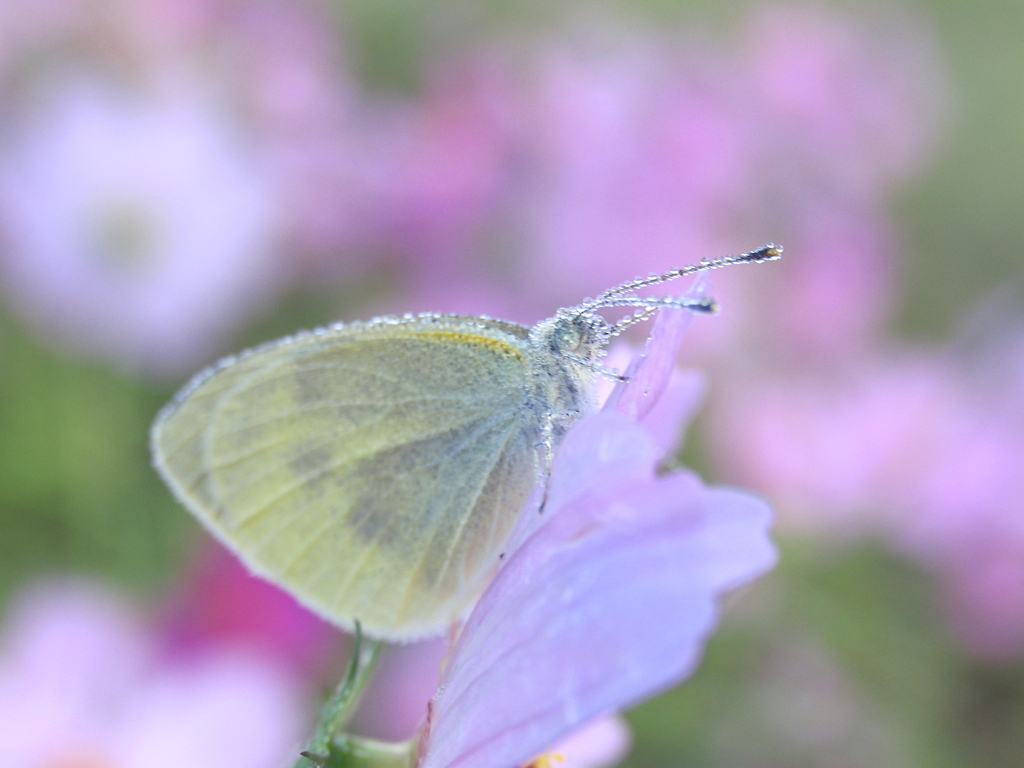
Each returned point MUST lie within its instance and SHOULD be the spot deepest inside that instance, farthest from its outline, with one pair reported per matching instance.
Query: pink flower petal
(607, 603)
(649, 372)
(598, 744)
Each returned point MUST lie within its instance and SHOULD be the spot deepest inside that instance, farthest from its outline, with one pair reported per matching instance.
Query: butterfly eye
(568, 338)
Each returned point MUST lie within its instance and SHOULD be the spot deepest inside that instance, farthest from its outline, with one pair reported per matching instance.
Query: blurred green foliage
(76, 489)
(963, 218)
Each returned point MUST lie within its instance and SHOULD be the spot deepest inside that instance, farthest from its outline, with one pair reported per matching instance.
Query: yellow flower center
(547, 760)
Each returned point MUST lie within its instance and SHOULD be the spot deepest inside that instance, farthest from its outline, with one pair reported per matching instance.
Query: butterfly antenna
(617, 297)
(639, 316)
(769, 252)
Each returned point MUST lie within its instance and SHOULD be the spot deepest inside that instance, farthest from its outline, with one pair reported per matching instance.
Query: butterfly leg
(597, 368)
(555, 424)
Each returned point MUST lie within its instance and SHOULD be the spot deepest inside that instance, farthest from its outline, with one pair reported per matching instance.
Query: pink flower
(316, 130)
(918, 449)
(441, 168)
(598, 164)
(81, 684)
(167, 27)
(638, 160)
(607, 602)
(965, 516)
(833, 450)
(856, 101)
(831, 299)
(135, 227)
(402, 685)
(221, 603)
(449, 162)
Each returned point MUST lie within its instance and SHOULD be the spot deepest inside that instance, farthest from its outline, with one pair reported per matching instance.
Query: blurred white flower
(81, 684)
(134, 226)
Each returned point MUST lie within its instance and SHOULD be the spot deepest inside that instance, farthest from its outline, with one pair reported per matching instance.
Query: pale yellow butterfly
(376, 469)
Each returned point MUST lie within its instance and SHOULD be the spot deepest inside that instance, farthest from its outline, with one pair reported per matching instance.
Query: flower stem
(338, 709)
(358, 752)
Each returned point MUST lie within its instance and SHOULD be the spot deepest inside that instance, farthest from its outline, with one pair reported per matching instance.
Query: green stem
(341, 706)
(358, 752)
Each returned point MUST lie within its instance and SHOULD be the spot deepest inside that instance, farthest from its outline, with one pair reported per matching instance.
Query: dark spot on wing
(312, 461)
(397, 492)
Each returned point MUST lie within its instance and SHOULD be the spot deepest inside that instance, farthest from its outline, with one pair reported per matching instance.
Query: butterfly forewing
(373, 470)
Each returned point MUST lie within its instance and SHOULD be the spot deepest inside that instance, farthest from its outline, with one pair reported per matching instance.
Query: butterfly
(376, 469)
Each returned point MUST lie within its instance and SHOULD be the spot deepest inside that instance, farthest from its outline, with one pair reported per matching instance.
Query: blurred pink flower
(983, 589)
(167, 28)
(402, 685)
(966, 513)
(598, 164)
(569, 180)
(449, 162)
(81, 684)
(832, 449)
(135, 226)
(830, 298)
(916, 448)
(316, 129)
(846, 107)
(608, 601)
(639, 160)
(221, 603)
(851, 102)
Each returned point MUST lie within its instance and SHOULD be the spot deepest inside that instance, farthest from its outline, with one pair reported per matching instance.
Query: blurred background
(180, 179)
